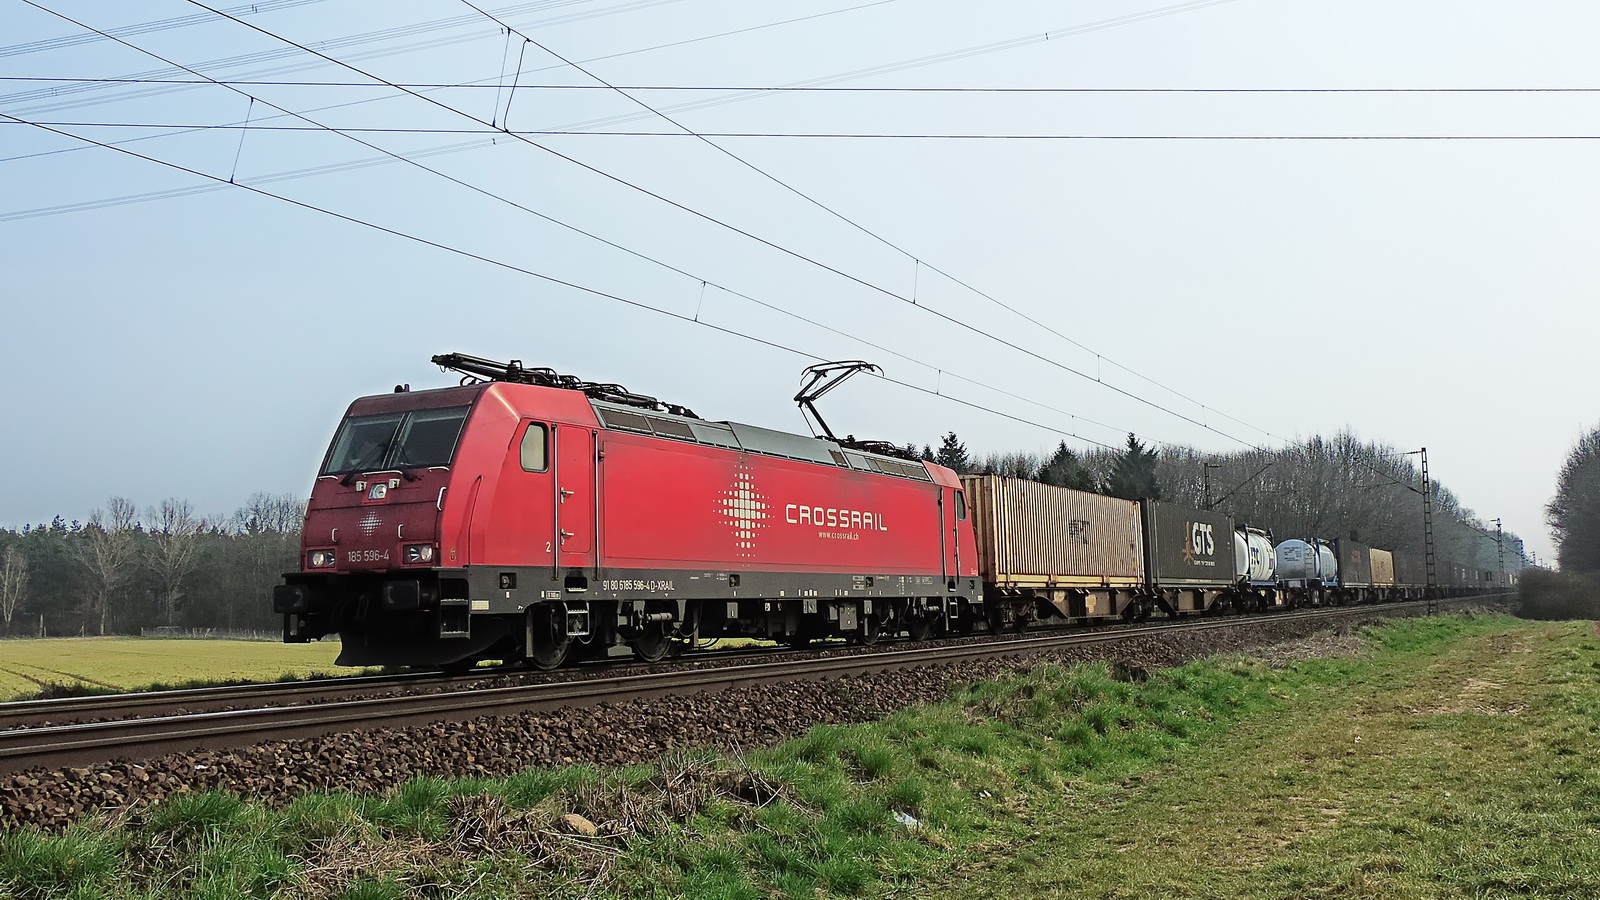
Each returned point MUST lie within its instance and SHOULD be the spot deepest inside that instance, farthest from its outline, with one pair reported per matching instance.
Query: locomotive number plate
(358, 556)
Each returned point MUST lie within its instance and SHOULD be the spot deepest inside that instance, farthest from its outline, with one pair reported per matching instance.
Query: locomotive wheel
(653, 643)
(549, 643)
(871, 631)
(921, 627)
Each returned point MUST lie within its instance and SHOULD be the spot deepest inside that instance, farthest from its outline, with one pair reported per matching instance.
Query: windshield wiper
(372, 458)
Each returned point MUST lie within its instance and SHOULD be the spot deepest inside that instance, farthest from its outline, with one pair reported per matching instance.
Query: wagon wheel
(653, 643)
(548, 642)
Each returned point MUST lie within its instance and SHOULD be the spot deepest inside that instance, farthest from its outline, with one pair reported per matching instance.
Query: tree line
(1335, 487)
(123, 570)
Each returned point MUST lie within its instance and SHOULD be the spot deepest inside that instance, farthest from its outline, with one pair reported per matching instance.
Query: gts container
(1042, 536)
(1188, 547)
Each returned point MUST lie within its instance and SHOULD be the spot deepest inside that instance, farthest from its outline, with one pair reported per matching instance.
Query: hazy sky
(203, 343)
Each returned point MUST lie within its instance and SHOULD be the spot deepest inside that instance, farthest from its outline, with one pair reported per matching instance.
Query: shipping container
(1187, 547)
(1409, 570)
(1382, 568)
(1039, 535)
(1355, 563)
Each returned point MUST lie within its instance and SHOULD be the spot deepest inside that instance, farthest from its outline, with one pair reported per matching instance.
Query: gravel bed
(608, 734)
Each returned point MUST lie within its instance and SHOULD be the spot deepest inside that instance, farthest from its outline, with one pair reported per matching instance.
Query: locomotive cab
(372, 561)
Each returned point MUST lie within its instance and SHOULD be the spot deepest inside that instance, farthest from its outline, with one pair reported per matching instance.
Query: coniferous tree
(952, 454)
(1133, 473)
(1063, 469)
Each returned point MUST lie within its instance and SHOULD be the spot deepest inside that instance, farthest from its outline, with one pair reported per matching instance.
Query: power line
(543, 277)
(340, 43)
(75, 148)
(804, 89)
(892, 245)
(541, 132)
(744, 233)
(563, 224)
(73, 40)
(944, 316)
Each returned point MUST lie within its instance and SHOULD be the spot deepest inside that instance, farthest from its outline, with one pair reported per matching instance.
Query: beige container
(1382, 567)
(1038, 535)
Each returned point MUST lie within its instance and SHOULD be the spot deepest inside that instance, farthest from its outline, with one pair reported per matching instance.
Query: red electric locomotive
(528, 515)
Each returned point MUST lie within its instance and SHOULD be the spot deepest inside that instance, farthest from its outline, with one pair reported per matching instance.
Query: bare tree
(1574, 512)
(1015, 464)
(105, 549)
(267, 532)
(174, 543)
(13, 584)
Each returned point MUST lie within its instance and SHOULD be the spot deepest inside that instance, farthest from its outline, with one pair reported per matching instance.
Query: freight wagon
(1047, 552)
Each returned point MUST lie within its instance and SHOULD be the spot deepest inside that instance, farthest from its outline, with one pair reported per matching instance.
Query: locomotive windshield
(424, 437)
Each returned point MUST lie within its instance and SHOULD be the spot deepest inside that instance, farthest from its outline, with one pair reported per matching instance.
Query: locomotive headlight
(320, 559)
(419, 553)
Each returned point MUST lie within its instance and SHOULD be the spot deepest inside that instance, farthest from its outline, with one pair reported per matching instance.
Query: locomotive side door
(574, 464)
(514, 529)
(952, 512)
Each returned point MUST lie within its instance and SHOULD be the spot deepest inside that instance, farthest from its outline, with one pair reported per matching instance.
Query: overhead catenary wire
(1184, 7)
(744, 232)
(806, 89)
(74, 40)
(1094, 378)
(482, 82)
(543, 132)
(512, 267)
(915, 258)
(432, 43)
(523, 208)
(417, 29)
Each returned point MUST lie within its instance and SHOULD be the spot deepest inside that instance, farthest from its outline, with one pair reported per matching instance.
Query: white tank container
(1327, 563)
(1253, 555)
(1263, 557)
(1301, 561)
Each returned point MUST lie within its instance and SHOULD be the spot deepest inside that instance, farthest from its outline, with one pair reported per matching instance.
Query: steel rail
(17, 714)
(144, 738)
(22, 713)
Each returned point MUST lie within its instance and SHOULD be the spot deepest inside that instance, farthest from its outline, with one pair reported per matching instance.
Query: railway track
(67, 710)
(146, 736)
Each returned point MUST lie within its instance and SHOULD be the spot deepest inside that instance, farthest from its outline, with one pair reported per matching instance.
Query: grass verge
(41, 668)
(989, 794)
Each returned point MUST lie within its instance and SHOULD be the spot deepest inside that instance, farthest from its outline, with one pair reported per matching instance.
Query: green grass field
(1434, 758)
(131, 663)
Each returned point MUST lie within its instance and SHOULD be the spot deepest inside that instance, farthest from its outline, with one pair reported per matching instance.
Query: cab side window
(534, 441)
(961, 507)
